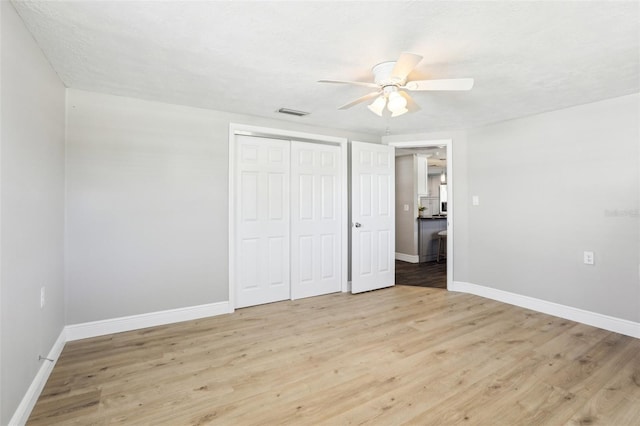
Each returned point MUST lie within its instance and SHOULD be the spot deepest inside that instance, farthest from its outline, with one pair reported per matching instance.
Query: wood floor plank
(403, 355)
(617, 402)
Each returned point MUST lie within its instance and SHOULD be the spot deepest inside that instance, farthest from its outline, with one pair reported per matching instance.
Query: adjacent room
(421, 216)
(283, 212)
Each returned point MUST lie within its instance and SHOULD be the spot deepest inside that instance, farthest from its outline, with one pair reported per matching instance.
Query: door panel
(383, 196)
(249, 196)
(275, 194)
(373, 228)
(316, 255)
(383, 250)
(328, 197)
(262, 233)
(328, 244)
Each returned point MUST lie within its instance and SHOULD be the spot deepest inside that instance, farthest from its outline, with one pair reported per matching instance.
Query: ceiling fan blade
(356, 83)
(360, 99)
(449, 84)
(411, 105)
(404, 65)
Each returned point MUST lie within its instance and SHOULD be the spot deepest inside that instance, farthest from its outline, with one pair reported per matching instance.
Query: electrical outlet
(475, 200)
(406, 207)
(42, 297)
(588, 258)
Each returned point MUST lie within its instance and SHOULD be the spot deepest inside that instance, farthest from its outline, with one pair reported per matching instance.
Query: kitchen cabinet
(422, 169)
(434, 186)
(428, 229)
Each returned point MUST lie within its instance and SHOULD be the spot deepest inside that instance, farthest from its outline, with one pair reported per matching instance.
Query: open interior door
(373, 216)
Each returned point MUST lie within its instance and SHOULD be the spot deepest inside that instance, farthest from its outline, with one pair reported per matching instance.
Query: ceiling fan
(391, 85)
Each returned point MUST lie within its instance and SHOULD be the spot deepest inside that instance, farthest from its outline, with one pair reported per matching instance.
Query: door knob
(357, 225)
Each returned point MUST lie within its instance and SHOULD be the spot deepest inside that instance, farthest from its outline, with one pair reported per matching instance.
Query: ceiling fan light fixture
(399, 112)
(397, 104)
(378, 105)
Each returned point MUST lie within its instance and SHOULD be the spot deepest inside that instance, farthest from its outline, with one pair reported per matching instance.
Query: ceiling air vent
(292, 112)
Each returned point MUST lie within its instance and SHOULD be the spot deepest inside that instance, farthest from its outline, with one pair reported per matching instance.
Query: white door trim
(450, 204)
(249, 130)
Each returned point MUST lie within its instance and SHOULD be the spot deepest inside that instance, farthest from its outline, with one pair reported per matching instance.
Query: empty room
(319, 212)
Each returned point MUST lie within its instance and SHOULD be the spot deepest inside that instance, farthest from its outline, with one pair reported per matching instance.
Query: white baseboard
(22, 413)
(617, 325)
(411, 258)
(152, 319)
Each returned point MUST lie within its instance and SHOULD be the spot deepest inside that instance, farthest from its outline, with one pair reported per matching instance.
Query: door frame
(273, 133)
(448, 143)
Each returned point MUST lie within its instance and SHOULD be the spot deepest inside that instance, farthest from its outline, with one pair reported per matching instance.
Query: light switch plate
(475, 200)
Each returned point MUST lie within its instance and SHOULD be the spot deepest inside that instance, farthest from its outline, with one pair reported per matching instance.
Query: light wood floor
(404, 355)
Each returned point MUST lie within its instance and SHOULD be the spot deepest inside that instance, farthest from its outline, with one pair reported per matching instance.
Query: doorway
(424, 213)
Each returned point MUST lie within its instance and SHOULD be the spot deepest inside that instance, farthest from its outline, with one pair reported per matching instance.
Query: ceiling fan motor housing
(382, 74)
(388, 89)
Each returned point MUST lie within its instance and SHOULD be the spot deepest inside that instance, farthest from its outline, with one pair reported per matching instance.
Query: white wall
(406, 224)
(147, 204)
(543, 184)
(32, 209)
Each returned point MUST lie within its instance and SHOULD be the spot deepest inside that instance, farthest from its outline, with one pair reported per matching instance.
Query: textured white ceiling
(255, 57)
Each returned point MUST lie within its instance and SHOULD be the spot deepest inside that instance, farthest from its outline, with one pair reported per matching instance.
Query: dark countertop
(432, 218)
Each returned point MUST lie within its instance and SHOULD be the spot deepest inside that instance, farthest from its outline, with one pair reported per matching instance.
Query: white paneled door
(262, 211)
(373, 216)
(315, 219)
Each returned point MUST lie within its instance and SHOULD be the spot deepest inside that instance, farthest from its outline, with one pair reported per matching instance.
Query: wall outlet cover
(588, 258)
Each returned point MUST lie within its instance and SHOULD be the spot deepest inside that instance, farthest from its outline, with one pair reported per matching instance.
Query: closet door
(315, 219)
(262, 219)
